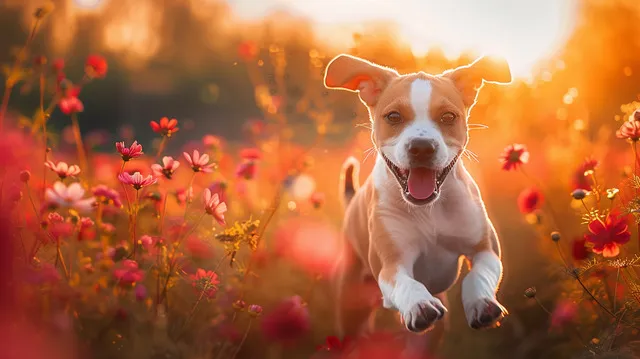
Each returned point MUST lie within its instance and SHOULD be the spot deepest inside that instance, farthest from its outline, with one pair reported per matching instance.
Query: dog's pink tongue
(422, 182)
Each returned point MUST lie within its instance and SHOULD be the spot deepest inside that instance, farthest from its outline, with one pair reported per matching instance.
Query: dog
(409, 227)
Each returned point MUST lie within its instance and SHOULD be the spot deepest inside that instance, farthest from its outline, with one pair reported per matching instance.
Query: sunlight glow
(524, 32)
(88, 4)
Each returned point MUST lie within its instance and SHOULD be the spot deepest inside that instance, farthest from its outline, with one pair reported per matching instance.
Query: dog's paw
(423, 315)
(485, 313)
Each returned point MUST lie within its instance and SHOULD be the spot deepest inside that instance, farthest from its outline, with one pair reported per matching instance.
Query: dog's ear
(355, 74)
(469, 79)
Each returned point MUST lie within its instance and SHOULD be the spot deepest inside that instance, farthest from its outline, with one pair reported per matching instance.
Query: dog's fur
(414, 248)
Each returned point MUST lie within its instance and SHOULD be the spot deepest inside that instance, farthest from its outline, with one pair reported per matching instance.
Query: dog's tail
(349, 182)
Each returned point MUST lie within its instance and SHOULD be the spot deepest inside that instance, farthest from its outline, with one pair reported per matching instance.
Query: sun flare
(524, 32)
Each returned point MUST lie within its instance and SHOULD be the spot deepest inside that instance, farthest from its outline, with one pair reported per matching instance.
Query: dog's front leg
(419, 308)
(479, 287)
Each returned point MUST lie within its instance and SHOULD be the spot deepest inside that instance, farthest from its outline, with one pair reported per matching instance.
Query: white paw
(423, 314)
(484, 313)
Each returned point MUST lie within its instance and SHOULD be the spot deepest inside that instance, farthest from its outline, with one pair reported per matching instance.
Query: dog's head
(419, 121)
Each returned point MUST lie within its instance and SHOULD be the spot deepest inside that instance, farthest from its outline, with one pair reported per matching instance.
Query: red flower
(333, 344)
(579, 179)
(579, 249)
(165, 127)
(607, 236)
(250, 154)
(248, 50)
(529, 200)
(96, 66)
(57, 65)
(70, 104)
(246, 170)
(514, 156)
(286, 322)
(205, 282)
(630, 129)
(317, 199)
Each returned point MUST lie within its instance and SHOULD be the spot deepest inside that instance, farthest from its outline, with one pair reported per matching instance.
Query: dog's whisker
(477, 126)
(368, 153)
(366, 125)
(471, 155)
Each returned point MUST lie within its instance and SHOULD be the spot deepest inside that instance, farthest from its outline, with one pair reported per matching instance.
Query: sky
(522, 31)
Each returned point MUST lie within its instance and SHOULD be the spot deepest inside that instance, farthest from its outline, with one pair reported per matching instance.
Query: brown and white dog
(419, 213)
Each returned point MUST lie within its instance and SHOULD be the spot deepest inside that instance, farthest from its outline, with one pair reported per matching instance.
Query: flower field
(166, 239)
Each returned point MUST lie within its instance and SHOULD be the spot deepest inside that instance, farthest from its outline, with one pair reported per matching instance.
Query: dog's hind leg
(354, 299)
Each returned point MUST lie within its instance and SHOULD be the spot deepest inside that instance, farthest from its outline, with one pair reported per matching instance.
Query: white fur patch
(422, 127)
(481, 283)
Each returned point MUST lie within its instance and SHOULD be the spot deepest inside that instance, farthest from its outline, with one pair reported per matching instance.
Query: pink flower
(62, 169)
(141, 292)
(199, 163)
(246, 170)
(131, 152)
(68, 197)
(128, 273)
(287, 322)
(107, 195)
(136, 180)
(165, 127)
(630, 129)
(514, 156)
(214, 207)
(96, 66)
(205, 282)
(149, 242)
(168, 167)
(563, 314)
(70, 105)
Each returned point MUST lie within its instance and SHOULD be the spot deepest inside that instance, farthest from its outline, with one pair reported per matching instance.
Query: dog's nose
(421, 149)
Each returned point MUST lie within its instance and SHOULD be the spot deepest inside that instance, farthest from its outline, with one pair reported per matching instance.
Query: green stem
(135, 223)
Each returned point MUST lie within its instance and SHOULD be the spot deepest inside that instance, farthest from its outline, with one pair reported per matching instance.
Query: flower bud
(238, 305)
(579, 194)
(530, 292)
(255, 310)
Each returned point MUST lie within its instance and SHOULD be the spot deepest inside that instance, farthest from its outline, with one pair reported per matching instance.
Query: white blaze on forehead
(420, 126)
(420, 97)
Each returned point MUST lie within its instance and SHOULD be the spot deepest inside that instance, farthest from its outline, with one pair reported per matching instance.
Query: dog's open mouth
(420, 185)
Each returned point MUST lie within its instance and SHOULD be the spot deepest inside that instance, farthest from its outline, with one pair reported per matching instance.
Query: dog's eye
(448, 117)
(393, 117)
